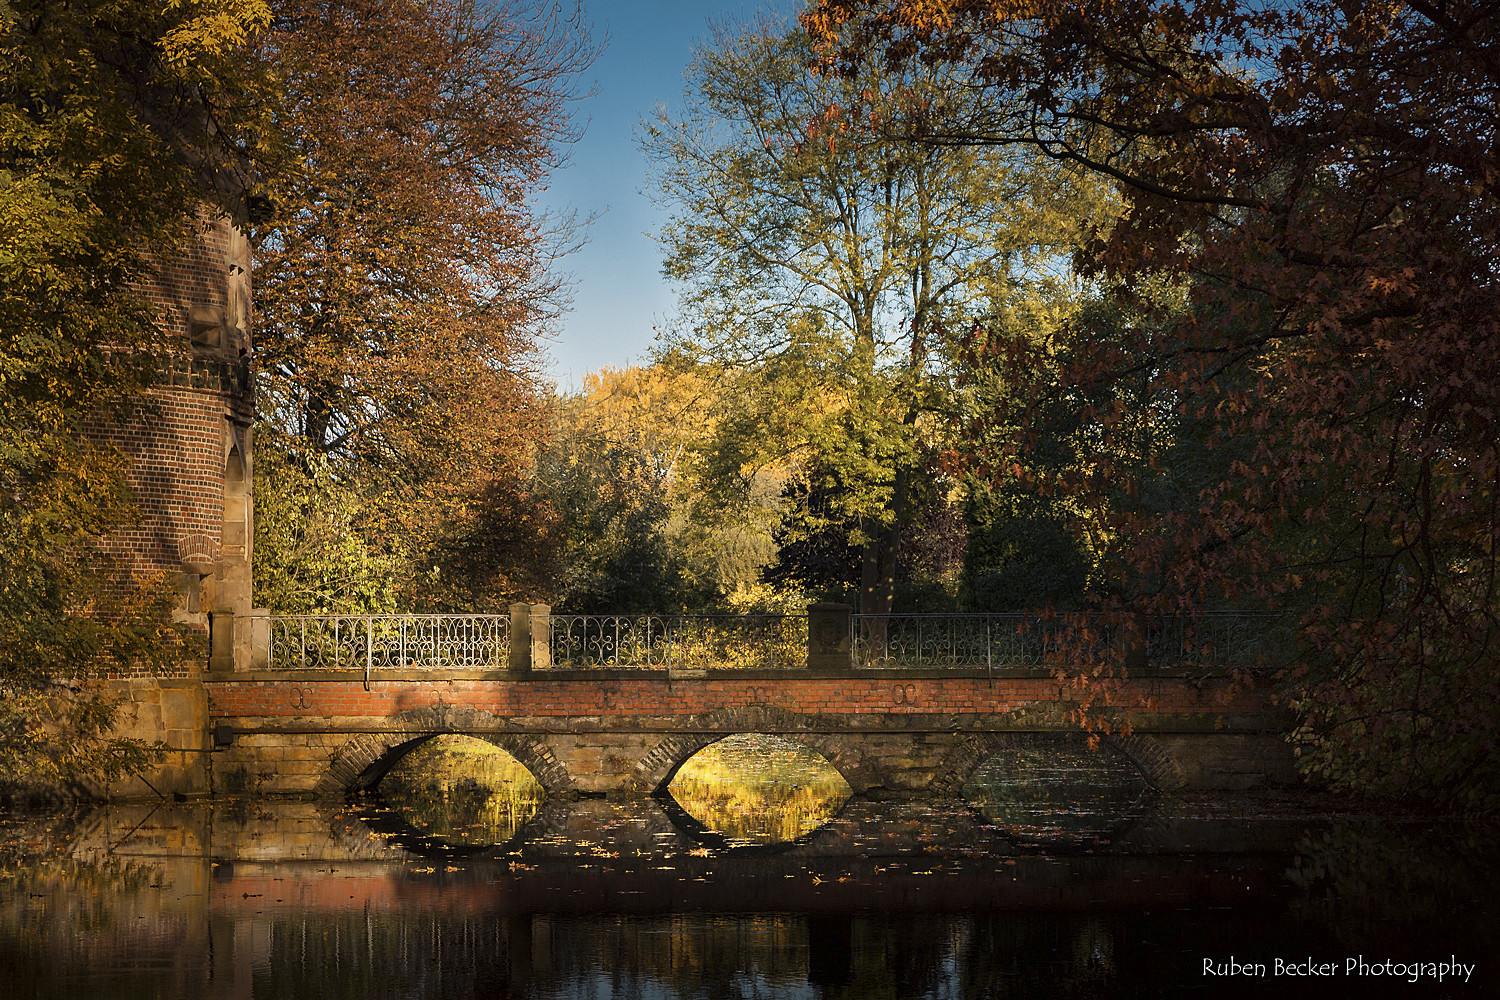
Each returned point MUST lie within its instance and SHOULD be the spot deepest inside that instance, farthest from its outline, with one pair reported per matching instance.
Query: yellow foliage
(211, 28)
(664, 412)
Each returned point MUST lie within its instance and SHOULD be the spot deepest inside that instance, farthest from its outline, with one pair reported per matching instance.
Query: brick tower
(191, 459)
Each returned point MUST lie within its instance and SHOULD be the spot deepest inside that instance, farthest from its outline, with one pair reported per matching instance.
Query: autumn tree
(118, 122)
(626, 468)
(821, 268)
(1324, 175)
(816, 560)
(405, 276)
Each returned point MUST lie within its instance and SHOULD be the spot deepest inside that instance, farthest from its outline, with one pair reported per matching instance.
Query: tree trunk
(877, 583)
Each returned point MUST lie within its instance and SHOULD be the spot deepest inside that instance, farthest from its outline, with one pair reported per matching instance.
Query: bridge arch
(366, 757)
(659, 765)
(1159, 769)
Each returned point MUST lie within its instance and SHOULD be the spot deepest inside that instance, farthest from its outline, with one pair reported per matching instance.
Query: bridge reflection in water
(293, 899)
(745, 790)
(757, 790)
(457, 790)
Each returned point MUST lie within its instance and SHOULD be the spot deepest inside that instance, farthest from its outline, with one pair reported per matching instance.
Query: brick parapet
(882, 701)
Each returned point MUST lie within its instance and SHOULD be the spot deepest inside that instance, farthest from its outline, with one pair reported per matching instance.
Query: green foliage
(311, 554)
(825, 268)
(1028, 547)
(819, 550)
(614, 505)
(1022, 553)
(67, 616)
(627, 460)
(118, 120)
(1315, 430)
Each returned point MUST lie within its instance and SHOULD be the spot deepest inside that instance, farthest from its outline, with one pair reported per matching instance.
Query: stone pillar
(541, 636)
(520, 639)
(233, 585)
(530, 638)
(828, 639)
(260, 639)
(221, 639)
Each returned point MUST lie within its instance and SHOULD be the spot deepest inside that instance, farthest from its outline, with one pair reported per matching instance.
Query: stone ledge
(801, 674)
(1204, 723)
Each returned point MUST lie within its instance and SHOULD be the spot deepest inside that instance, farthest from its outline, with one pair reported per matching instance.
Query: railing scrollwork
(756, 642)
(687, 642)
(387, 642)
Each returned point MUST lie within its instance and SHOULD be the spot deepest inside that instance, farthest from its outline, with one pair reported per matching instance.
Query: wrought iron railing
(768, 642)
(1243, 639)
(1001, 641)
(996, 640)
(690, 642)
(384, 642)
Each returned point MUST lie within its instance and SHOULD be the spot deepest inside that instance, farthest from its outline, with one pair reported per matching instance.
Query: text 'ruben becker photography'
(1353, 966)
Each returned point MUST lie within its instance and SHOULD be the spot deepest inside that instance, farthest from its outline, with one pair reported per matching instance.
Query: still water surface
(1016, 894)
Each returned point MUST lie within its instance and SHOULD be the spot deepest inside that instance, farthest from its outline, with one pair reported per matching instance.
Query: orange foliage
(404, 277)
(1324, 175)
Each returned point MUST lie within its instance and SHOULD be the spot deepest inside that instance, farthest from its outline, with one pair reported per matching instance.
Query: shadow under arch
(1058, 792)
(1160, 771)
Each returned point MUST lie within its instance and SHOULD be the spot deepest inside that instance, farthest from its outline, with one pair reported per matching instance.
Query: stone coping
(428, 675)
(956, 723)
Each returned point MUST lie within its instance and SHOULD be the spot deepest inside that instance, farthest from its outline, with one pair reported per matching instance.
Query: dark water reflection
(606, 899)
(1056, 788)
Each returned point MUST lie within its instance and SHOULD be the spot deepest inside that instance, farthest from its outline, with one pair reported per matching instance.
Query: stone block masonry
(174, 711)
(896, 732)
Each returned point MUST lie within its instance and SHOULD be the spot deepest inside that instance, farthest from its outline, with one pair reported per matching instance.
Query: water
(640, 898)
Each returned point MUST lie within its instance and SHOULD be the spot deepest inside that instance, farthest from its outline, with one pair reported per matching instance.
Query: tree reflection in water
(757, 789)
(190, 900)
(463, 791)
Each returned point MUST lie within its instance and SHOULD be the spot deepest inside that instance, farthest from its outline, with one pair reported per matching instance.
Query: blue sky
(619, 295)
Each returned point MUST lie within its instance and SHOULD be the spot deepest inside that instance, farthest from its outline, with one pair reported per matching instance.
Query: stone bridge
(591, 704)
(307, 721)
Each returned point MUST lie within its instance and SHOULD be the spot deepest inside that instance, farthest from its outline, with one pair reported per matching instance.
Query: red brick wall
(177, 474)
(199, 277)
(635, 698)
(176, 442)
